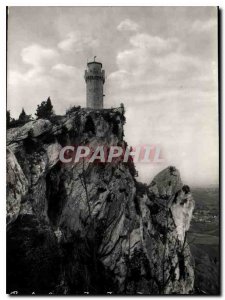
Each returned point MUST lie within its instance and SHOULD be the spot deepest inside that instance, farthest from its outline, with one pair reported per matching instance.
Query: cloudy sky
(161, 62)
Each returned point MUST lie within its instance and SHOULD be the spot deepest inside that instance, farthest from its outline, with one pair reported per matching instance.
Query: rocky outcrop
(17, 186)
(90, 227)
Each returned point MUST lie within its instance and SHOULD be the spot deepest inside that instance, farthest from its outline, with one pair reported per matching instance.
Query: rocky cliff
(87, 227)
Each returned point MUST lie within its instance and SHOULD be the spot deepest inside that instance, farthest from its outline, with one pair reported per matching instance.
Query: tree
(45, 110)
(8, 118)
(23, 117)
(72, 109)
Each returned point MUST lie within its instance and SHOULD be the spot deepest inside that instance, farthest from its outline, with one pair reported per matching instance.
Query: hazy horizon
(161, 62)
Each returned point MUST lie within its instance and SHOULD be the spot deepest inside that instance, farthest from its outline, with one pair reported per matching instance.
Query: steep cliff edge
(87, 227)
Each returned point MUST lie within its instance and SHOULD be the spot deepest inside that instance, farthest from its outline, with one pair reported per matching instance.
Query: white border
(113, 3)
(3, 5)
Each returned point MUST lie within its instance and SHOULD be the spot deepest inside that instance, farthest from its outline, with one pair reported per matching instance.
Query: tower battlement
(95, 79)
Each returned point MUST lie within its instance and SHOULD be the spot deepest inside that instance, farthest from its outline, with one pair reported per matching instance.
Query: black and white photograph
(112, 150)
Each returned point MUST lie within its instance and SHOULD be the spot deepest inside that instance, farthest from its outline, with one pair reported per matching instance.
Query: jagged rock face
(104, 233)
(17, 186)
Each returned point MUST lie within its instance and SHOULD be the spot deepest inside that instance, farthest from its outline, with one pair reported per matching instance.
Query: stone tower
(95, 78)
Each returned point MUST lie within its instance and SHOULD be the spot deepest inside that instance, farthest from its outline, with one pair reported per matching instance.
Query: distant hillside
(204, 240)
(207, 198)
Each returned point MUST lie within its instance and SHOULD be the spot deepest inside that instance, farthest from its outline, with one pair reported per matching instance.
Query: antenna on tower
(95, 57)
